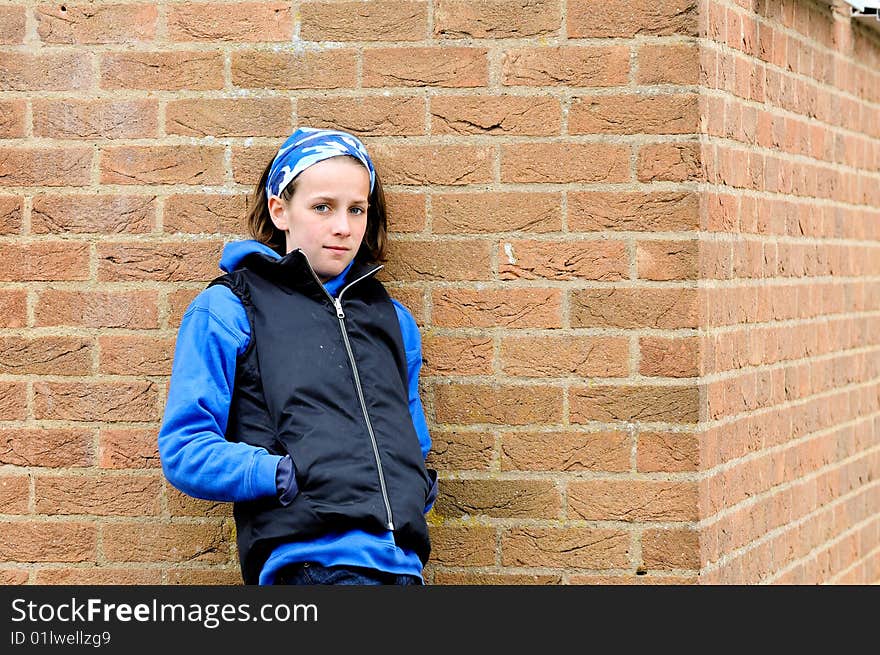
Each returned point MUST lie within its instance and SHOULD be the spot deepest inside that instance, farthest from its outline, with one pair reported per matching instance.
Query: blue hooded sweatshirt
(199, 461)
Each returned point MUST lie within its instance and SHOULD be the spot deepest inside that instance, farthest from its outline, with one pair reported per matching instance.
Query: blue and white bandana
(307, 146)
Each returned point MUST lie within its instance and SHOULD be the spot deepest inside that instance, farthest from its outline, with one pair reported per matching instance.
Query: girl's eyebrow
(333, 199)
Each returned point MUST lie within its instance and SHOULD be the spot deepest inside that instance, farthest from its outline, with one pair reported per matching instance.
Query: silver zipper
(340, 314)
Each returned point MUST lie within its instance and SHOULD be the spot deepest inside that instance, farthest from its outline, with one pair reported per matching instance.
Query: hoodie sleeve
(412, 343)
(196, 457)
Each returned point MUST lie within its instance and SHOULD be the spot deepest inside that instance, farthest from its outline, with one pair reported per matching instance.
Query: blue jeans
(309, 573)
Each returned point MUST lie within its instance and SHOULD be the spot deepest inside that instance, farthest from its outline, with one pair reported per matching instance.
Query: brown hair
(261, 228)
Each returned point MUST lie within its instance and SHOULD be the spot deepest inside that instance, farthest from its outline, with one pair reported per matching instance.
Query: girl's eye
(321, 208)
(357, 210)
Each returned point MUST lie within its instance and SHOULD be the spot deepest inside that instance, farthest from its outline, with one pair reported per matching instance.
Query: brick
(498, 499)
(248, 163)
(44, 261)
(563, 260)
(365, 115)
(12, 114)
(13, 23)
(47, 447)
(565, 451)
(574, 66)
(663, 211)
(160, 541)
(627, 18)
(460, 449)
(97, 309)
(488, 212)
(500, 404)
(48, 355)
(496, 19)
(328, 69)
(116, 495)
(640, 578)
(240, 22)
(381, 20)
(634, 114)
(178, 301)
(57, 166)
(15, 493)
(667, 260)
(135, 355)
(99, 575)
(439, 260)
(123, 448)
(452, 67)
(10, 218)
(224, 117)
(93, 214)
(13, 401)
(179, 504)
(478, 578)
(198, 213)
(669, 357)
(178, 164)
(635, 307)
(453, 355)
(633, 500)
(13, 308)
(65, 71)
(564, 162)
(673, 404)
(669, 162)
(406, 211)
(168, 71)
(166, 261)
(671, 549)
(510, 308)
(519, 115)
(565, 547)
(12, 576)
(453, 545)
(668, 63)
(437, 164)
(32, 541)
(95, 24)
(96, 401)
(564, 356)
(214, 575)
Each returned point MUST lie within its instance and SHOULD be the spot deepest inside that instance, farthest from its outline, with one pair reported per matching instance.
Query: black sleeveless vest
(325, 382)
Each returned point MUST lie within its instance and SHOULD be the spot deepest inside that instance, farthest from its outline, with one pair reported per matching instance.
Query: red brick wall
(790, 259)
(640, 240)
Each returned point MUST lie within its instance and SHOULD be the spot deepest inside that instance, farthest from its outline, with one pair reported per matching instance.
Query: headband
(307, 146)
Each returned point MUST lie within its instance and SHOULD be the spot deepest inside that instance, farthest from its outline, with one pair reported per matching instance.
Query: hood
(235, 251)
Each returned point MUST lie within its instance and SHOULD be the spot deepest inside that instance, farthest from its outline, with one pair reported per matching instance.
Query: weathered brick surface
(47, 447)
(565, 451)
(108, 495)
(122, 448)
(565, 547)
(88, 214)
(169, 71)
(94, 24)
(160, 541)
(383, 20)
(236, 22)
(40, 541)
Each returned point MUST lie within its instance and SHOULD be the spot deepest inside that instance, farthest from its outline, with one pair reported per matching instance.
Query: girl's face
(327, 215)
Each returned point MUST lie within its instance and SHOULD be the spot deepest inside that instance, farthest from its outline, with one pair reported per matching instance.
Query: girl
(294, 388)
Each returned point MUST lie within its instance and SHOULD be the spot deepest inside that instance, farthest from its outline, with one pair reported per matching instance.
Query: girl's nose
(341, 225)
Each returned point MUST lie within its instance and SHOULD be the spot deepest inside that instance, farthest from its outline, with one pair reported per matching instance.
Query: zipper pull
(338, 304)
